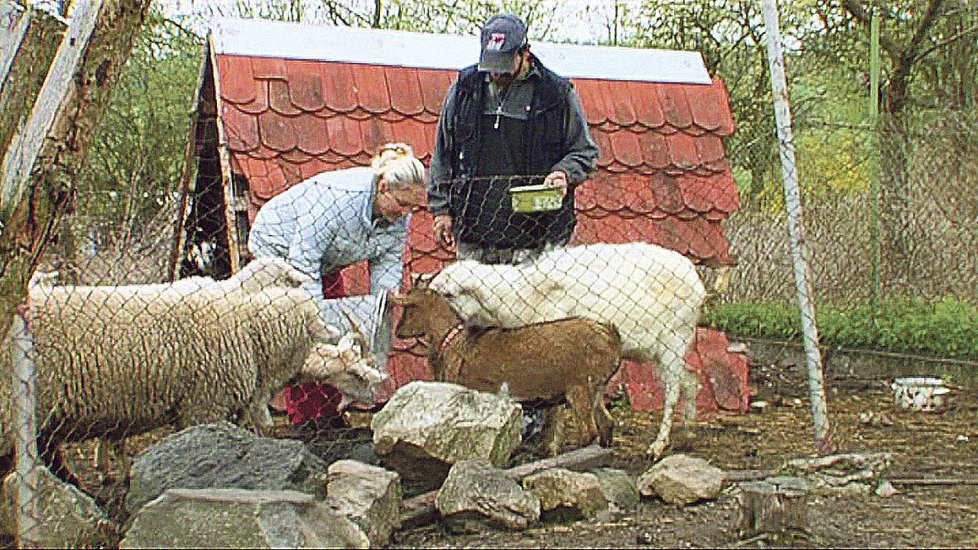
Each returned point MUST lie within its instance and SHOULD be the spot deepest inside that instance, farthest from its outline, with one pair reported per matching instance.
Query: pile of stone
(220, 485)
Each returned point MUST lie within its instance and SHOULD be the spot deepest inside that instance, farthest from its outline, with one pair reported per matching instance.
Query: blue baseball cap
(502, 37)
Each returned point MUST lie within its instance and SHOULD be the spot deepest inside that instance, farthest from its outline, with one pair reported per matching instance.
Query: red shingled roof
(662, 177)
(663, 174)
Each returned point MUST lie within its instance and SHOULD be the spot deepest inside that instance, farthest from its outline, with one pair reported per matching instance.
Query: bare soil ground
(924, 445)
(863, 419)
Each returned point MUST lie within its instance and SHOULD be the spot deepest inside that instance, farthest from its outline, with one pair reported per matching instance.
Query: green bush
(945, 328)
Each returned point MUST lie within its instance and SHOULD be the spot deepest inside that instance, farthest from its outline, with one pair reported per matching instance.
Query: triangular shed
(274, 111)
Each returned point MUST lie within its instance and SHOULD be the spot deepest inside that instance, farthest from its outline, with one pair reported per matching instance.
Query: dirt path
(929, 446)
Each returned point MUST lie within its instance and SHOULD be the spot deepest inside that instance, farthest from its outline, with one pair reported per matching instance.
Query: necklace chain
(503, 94)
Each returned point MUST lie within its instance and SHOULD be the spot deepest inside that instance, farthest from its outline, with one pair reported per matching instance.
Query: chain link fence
(893, 266)
(926, 225)
(924, 231)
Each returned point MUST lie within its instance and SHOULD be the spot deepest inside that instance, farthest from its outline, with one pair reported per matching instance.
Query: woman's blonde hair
(395, 162)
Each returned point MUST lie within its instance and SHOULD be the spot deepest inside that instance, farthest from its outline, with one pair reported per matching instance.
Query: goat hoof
(657, 449)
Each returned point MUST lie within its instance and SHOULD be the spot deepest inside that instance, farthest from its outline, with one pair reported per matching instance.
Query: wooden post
(776, 507)
(231, 204)
(14, 22)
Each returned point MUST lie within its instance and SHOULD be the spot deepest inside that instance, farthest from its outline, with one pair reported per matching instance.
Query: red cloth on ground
(310, 401)
(313, 400)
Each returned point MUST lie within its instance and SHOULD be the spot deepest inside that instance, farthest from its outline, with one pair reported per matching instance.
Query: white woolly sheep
(650, 294)
(258, 274)
(113, 364)
(541, 363)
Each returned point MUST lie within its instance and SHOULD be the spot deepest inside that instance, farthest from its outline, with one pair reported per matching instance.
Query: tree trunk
(778, 510)
(896, 210)
(51, 148)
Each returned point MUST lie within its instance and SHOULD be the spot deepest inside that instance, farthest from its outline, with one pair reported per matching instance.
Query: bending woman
(336, 219)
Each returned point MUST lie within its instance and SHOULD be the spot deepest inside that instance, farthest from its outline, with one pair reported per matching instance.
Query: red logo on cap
(496, 41)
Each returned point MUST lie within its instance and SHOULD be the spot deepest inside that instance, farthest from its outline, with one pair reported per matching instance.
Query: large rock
(475, 490)
(566, 495)
(65, 516)
(619, 488)
(426, 427)
(224, 456)
(233, 518)
(681, 480)
(368, 495)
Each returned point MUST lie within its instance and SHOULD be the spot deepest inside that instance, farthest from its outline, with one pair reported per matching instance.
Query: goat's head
(424, 311)
(414, 323)
(270, 271)
(348, 367)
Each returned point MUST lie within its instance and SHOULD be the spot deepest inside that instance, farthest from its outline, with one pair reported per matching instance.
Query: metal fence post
(874, 111)
(792, 199)
(22, 355)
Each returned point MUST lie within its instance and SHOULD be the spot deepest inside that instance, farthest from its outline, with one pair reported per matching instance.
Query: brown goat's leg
(580, 401)
(602, 418)
(553, 432)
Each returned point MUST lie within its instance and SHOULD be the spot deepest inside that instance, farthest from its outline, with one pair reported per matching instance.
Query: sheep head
(269, 271)
(347, 367)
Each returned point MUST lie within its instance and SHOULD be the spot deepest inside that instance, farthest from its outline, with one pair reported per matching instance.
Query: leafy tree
(138, 154)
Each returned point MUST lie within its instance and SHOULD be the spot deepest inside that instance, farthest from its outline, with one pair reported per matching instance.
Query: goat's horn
(422, 280)
(357, 331)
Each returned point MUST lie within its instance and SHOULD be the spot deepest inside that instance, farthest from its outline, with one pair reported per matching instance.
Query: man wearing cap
(507, 121)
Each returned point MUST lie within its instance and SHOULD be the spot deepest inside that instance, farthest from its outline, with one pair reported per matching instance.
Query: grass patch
(944, 328)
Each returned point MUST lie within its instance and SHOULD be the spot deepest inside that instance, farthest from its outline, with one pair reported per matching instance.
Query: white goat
(650, 294)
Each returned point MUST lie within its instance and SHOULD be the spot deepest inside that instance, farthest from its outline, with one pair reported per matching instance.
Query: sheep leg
(102, 459)
(105, 449)
(581, 401)
(672, 365)
(258, 414)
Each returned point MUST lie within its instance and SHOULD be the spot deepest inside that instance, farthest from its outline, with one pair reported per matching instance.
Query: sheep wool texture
(113, 364)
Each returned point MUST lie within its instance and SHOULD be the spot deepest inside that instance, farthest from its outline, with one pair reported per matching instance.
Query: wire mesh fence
(839, 228)
(118, 362)
(894, 278)
(926, 226)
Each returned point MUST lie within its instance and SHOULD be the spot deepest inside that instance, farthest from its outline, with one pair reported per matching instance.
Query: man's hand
(442, 228)
(558, 179)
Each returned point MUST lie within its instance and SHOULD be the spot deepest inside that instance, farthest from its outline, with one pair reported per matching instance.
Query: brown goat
(542, 363)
